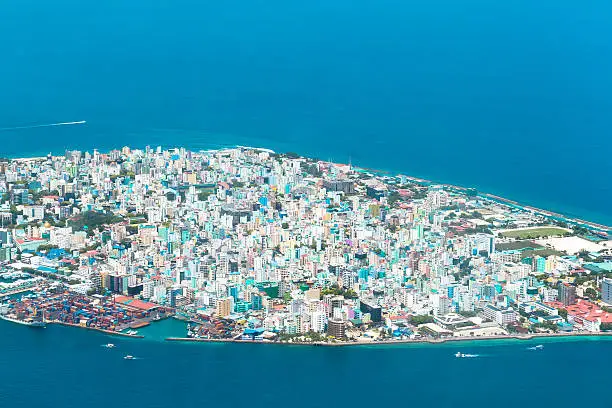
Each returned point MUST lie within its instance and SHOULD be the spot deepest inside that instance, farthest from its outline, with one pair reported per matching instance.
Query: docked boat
(29, 322)
(132, 332)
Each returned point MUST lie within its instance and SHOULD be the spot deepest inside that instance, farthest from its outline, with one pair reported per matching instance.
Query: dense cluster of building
(277, 243)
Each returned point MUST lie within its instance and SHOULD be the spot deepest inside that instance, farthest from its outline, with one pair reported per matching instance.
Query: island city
(248, 245)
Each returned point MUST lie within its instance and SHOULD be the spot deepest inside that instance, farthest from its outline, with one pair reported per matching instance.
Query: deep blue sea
(68, 367)
(511, 97)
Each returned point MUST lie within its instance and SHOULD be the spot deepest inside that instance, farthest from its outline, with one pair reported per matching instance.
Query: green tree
(421, 319)
(393, 198)
(591, 294)
(606, 327)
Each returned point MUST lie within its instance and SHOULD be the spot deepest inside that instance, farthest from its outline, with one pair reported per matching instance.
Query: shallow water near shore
(67, 367)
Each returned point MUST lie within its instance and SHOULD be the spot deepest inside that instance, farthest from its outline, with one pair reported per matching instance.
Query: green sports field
(533, 233)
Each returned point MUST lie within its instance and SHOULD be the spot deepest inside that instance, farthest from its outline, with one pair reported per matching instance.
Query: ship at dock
(32, 320)
(28, 322)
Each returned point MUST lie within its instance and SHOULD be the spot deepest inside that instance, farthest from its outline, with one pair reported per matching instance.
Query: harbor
(112, 315)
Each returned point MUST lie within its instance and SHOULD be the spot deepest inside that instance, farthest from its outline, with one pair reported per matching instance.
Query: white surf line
(80, 122)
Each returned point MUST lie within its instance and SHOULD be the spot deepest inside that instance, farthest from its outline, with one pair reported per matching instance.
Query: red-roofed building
(405, 193)
(29, 244)
(135, 304)
(586, 315)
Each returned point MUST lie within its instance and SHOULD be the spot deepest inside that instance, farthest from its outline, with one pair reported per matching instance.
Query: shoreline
(547, 213)
(394, 342)
(432, 342)
(110, 332)
(483, 194)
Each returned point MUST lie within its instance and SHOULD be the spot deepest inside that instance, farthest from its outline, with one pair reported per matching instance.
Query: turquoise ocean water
(512, 97)
(68, 367)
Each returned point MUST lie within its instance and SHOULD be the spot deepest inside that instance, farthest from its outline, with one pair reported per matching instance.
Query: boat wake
(80, 122)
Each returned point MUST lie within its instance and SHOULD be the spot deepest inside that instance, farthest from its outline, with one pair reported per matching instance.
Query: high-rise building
(348, 278)
(336, 328)
(484, 242)
(337, 302)
(567, 293)
(147, 289)
(224, 306)
(257, 301)
(369, 306)
(172, 298)
(442, 305)
(318, 322)
(606, 291)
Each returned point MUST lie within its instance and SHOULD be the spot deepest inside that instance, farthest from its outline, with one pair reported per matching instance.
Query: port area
(13, 284)
(109, 314)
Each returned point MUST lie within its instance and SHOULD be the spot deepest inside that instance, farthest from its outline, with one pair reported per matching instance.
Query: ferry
(128, 357)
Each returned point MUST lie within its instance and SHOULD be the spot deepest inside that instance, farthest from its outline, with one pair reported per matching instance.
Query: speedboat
(538, 347)
(109, 345)
(462, 355)
(128, 357)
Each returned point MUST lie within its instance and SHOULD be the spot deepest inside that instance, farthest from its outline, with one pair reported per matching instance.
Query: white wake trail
(80, 122)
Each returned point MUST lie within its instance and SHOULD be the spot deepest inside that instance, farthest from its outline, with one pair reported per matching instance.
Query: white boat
(462, 355)
(128, 357)
(109, 345)
(132, 332)
(538, 347)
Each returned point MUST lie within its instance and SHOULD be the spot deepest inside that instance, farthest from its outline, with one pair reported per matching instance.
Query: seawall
(393, 342)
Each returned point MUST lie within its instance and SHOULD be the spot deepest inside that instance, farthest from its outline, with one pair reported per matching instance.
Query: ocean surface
(511, 97)
(68, 367)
